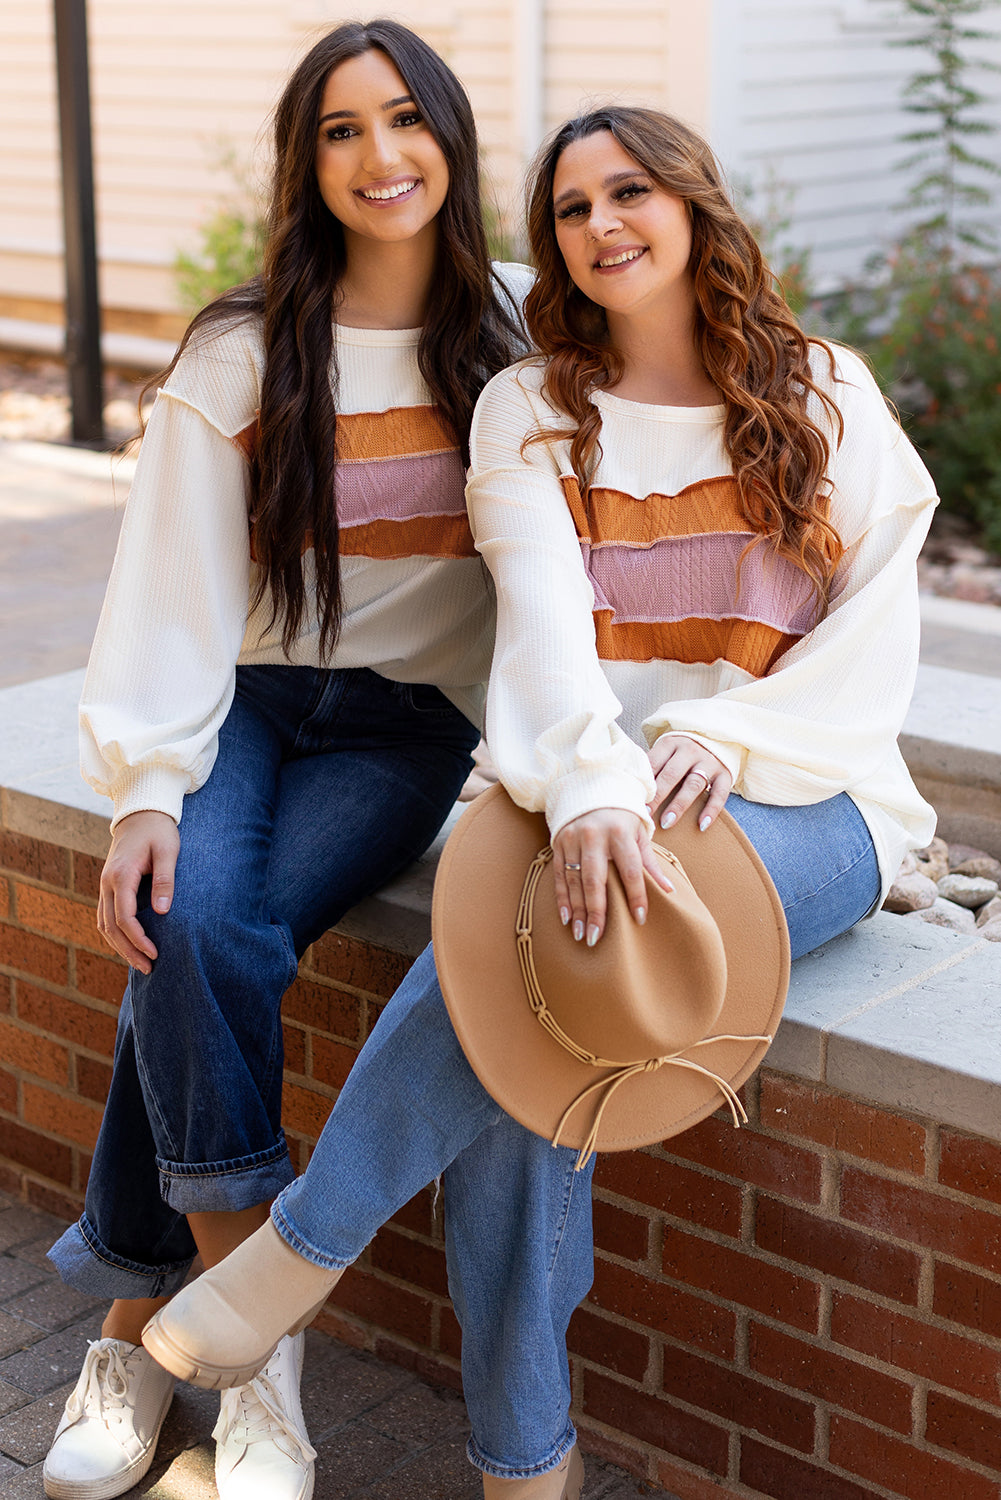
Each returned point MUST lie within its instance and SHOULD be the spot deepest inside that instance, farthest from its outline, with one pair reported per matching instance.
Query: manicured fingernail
(578, 931)
(704, 824)
(161, 903)
(592, 936)
(668, 819)
(641, 914)
(564, 915)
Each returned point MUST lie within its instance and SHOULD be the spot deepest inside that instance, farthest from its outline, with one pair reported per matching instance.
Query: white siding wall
(806, 92)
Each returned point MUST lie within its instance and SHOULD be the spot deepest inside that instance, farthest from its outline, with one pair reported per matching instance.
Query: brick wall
(807, 1309)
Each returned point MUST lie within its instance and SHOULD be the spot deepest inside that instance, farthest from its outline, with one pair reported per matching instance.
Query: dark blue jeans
(327, 783)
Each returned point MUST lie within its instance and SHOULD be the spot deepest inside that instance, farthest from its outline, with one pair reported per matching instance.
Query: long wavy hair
(468, 335)
(750, 345)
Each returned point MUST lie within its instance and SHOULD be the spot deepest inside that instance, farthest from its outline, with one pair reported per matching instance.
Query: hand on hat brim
(684, 771)
(609, 835)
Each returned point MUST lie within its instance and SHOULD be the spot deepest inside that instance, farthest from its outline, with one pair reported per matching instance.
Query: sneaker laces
(261, 1414)
(103, 1385)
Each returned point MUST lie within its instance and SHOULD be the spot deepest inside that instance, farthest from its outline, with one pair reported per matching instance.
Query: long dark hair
(750, 344)
(469, 333)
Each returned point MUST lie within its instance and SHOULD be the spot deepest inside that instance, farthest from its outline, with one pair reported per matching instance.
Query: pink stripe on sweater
(400, 489)
(696, 576)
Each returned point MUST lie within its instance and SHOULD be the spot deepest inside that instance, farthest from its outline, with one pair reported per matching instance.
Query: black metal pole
(83, 317)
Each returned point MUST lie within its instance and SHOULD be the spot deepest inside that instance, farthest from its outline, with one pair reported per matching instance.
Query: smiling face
(379, 169)
(626, 241)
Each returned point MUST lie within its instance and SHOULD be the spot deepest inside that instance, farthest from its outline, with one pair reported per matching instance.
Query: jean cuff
(327, 1260)
(84, 1263)
(225, 1186)
(552, 1460)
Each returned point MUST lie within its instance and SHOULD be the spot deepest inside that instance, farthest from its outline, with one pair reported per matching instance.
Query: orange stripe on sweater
(745, 643)
(422, 536)
(404, 431)
(612, 516)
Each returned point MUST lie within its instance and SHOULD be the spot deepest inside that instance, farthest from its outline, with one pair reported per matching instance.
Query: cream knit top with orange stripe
(417, 604)
(621, 619)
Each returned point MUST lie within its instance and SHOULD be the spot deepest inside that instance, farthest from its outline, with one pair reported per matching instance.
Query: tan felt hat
(638, 1038)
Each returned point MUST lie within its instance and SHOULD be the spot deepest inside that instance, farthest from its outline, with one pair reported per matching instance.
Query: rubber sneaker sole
(117, 1484)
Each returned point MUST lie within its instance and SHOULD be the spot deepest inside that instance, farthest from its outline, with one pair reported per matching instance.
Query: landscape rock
(967, 890)
(934, 860)
(911, 893)
(992, 931)
(960, 853)
(985, 866)
(908, 865)
(989, 912)
(946, 914)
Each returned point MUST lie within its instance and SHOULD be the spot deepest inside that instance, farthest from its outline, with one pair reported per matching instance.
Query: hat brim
(477, 890)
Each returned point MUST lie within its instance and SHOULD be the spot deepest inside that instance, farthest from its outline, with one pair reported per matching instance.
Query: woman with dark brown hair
(283, 694)
(702, 527)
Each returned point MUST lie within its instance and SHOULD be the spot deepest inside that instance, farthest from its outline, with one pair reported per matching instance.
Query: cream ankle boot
(564, 1483)
(224, 1327)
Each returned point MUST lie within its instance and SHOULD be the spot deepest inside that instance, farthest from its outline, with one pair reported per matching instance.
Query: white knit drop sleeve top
(623, 619)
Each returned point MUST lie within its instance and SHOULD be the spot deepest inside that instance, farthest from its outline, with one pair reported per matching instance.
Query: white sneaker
(262, 1448)
(110, 1426)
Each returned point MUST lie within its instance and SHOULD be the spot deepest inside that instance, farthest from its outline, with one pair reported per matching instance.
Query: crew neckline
(403, 337)
(656, 413)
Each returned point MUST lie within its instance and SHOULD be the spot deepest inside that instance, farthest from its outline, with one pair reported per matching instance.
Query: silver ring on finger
(695, 771)
(568, 866)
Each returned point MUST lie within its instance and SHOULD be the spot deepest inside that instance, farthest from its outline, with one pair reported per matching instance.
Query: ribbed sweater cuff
(585, 791)
(149, 789)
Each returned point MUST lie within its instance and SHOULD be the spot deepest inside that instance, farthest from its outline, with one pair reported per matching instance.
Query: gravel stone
(989, 912)
(946, 914)
(910, 893)
(967, 890)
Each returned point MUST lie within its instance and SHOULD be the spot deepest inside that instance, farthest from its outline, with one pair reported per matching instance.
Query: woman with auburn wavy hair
(702, 527)
(282, 697)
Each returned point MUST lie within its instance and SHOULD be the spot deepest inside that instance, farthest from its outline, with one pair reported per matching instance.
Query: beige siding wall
(178, 85)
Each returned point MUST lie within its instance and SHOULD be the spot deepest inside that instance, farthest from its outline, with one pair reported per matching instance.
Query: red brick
(6, 995)
(422, 1265)
(417, 1215)
(843, 1124)
(39, 861)
(963, 1429)
(381, 1302)
(58, 916)
(672, 1189)
(744, 1279)
(36, 1152)
(64, 1116)
(305, 1110)
(666, 1310)
(837, 1250)
(71, 1019)
(4, 900)
(924, 1218)
(769, 1472)
(624, 1351)
(654, 1421)
(686, 1483)
(749, 1157)
(33, 955)
(65, 1206)
(294, 1045)
(102, 977)
(619, 1232)
(964, 1297)
(907, 1471)
(739, 1399)
(93, 1078)
(971, 1165)
(360, 965)
(831, 1377)
(86, 874)
(324, 1007)
(31, 1053)
(8, 1093)
(332, 1061)
(946, 1358)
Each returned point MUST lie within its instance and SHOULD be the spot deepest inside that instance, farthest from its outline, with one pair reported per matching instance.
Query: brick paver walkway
(381, 1434)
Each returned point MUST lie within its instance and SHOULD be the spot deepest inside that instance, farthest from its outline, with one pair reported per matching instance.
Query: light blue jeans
(517, 1215)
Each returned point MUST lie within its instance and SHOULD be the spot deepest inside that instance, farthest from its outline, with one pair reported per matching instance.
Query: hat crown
(641, 992)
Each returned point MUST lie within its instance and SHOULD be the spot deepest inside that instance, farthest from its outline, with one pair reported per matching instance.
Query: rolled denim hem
(225, 1186)
(302, 1247)
(553, 1459)
(84, 1263)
